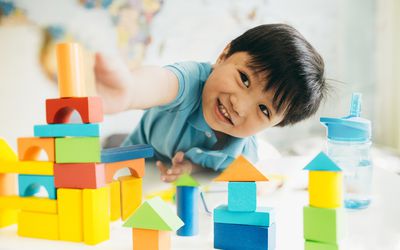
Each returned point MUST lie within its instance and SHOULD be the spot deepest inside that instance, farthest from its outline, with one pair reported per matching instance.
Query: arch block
(29, 148)
(60, 110)
(29, 185)
(136, 167)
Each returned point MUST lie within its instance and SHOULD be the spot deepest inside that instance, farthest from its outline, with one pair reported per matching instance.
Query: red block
(60, 110)
(79, 175)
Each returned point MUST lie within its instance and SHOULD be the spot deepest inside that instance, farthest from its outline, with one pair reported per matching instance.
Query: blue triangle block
(322, 162)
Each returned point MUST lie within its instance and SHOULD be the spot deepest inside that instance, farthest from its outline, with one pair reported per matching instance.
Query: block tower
(77, 175)
(323, 218)
(241, 224)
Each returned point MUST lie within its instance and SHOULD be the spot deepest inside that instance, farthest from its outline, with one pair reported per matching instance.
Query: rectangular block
(31, 204)
(242, 196)
(325, 189)
(96, 215)
(312, 245)
(8, 217)
(263, 216)
(38, 225)
(78, 150)
(323, 224)
(115, 209)
(126, 153)
(131, 194)
(27, 167)
(239, 237)
(79, 175)
(151, 239)
(67, 130)
(70, 202)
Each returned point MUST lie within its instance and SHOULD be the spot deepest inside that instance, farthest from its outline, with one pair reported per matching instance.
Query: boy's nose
(240, 105)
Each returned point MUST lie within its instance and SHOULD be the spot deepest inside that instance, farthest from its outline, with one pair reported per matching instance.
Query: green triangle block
(154, 214)
(322, 162)
(185, 180)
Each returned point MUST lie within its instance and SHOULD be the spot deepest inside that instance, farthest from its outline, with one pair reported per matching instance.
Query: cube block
(313, 245)
(78, 150)
(145, 239)
(242, 196)
(325, 189)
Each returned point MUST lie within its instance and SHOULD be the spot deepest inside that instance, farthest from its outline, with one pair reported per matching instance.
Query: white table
(376, 228)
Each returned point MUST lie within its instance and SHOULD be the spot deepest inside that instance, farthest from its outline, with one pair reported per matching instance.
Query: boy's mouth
(224, 112)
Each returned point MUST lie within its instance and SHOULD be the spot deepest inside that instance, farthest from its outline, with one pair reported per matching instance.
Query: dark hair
(293, 68)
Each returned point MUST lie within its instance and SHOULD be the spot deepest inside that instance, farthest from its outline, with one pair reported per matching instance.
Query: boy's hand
(179, 166)
(112, 80)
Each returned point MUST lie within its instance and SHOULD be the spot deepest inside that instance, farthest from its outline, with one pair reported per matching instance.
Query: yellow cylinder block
(71, 70)
(325, 189)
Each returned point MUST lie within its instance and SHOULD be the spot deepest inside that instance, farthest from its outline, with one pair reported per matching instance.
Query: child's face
(234, 102)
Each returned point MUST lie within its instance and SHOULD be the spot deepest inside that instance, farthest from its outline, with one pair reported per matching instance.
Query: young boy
(200, 115)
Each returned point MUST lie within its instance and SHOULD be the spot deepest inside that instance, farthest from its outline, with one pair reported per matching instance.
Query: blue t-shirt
(180, 125)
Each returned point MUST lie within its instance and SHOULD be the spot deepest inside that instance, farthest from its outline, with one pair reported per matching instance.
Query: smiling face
(234, 100)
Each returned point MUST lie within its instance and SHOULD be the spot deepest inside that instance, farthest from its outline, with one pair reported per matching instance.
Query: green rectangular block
(325, 225)
(78, 150)
(313, 245)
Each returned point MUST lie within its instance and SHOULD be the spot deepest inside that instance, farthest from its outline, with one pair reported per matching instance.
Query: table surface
(377, 227)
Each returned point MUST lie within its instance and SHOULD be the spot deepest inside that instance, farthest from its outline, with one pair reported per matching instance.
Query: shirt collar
(197, 120)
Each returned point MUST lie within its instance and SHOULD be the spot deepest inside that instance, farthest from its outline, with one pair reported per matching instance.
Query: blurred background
(359, 41)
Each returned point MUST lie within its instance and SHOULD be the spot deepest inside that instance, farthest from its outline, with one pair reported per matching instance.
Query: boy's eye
(245, 79)
(264, 109)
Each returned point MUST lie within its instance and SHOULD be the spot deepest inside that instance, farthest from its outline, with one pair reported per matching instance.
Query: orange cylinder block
(71, 70)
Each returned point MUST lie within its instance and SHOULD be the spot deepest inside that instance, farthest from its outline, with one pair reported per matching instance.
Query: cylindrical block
(71, 70)
(188, 210)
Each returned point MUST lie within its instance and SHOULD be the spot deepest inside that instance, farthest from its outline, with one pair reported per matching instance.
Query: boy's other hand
(112, 80)
(179, 166)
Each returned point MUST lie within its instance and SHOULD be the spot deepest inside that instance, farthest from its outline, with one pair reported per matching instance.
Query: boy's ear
(224, 54)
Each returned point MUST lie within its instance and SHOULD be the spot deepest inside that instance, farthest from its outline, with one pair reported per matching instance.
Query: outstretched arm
(122, 89)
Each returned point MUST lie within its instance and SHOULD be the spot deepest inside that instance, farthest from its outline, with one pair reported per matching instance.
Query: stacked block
(82, 195)
(241, 224)
(324, 217)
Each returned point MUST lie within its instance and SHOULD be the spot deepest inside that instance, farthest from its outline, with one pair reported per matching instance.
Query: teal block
(67, 129)
(313, 245)
(242, 196)
(78, 150)
(323, 224)
(29, 185)
(263, 216)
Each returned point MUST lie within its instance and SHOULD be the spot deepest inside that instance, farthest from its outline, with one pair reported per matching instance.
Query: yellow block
(8, 217)
(27, 167)
(96, 215)
(38, 225)
(32, 204)
(115, 200)
(70, 214)
(131, 194)
(6, 153)
(325, 189)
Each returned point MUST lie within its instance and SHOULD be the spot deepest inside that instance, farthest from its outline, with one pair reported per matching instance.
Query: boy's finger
(161, 166)
(170, 178)
(175, 170)
(178, 158)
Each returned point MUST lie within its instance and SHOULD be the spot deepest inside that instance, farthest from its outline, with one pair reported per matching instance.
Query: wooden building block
(6, 152)
(136, 168)
(96, 215)
(8, 217)
(70, 214)
(79, 175)
(8, 184)
(29, 148)
(323, 224)
(38, 225)
(325, 189)
(241, 170)
(233, 236)
(263, 216)
(27, 167)
(78, 150)
(29, 185)
(131, 194)
(187, 204)
(242, 196)
(71, 70)
(31, 204)
(67, 130)
(313, 245)
(60, 110)
(115, 209)
(126, 153)
(145, 239)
